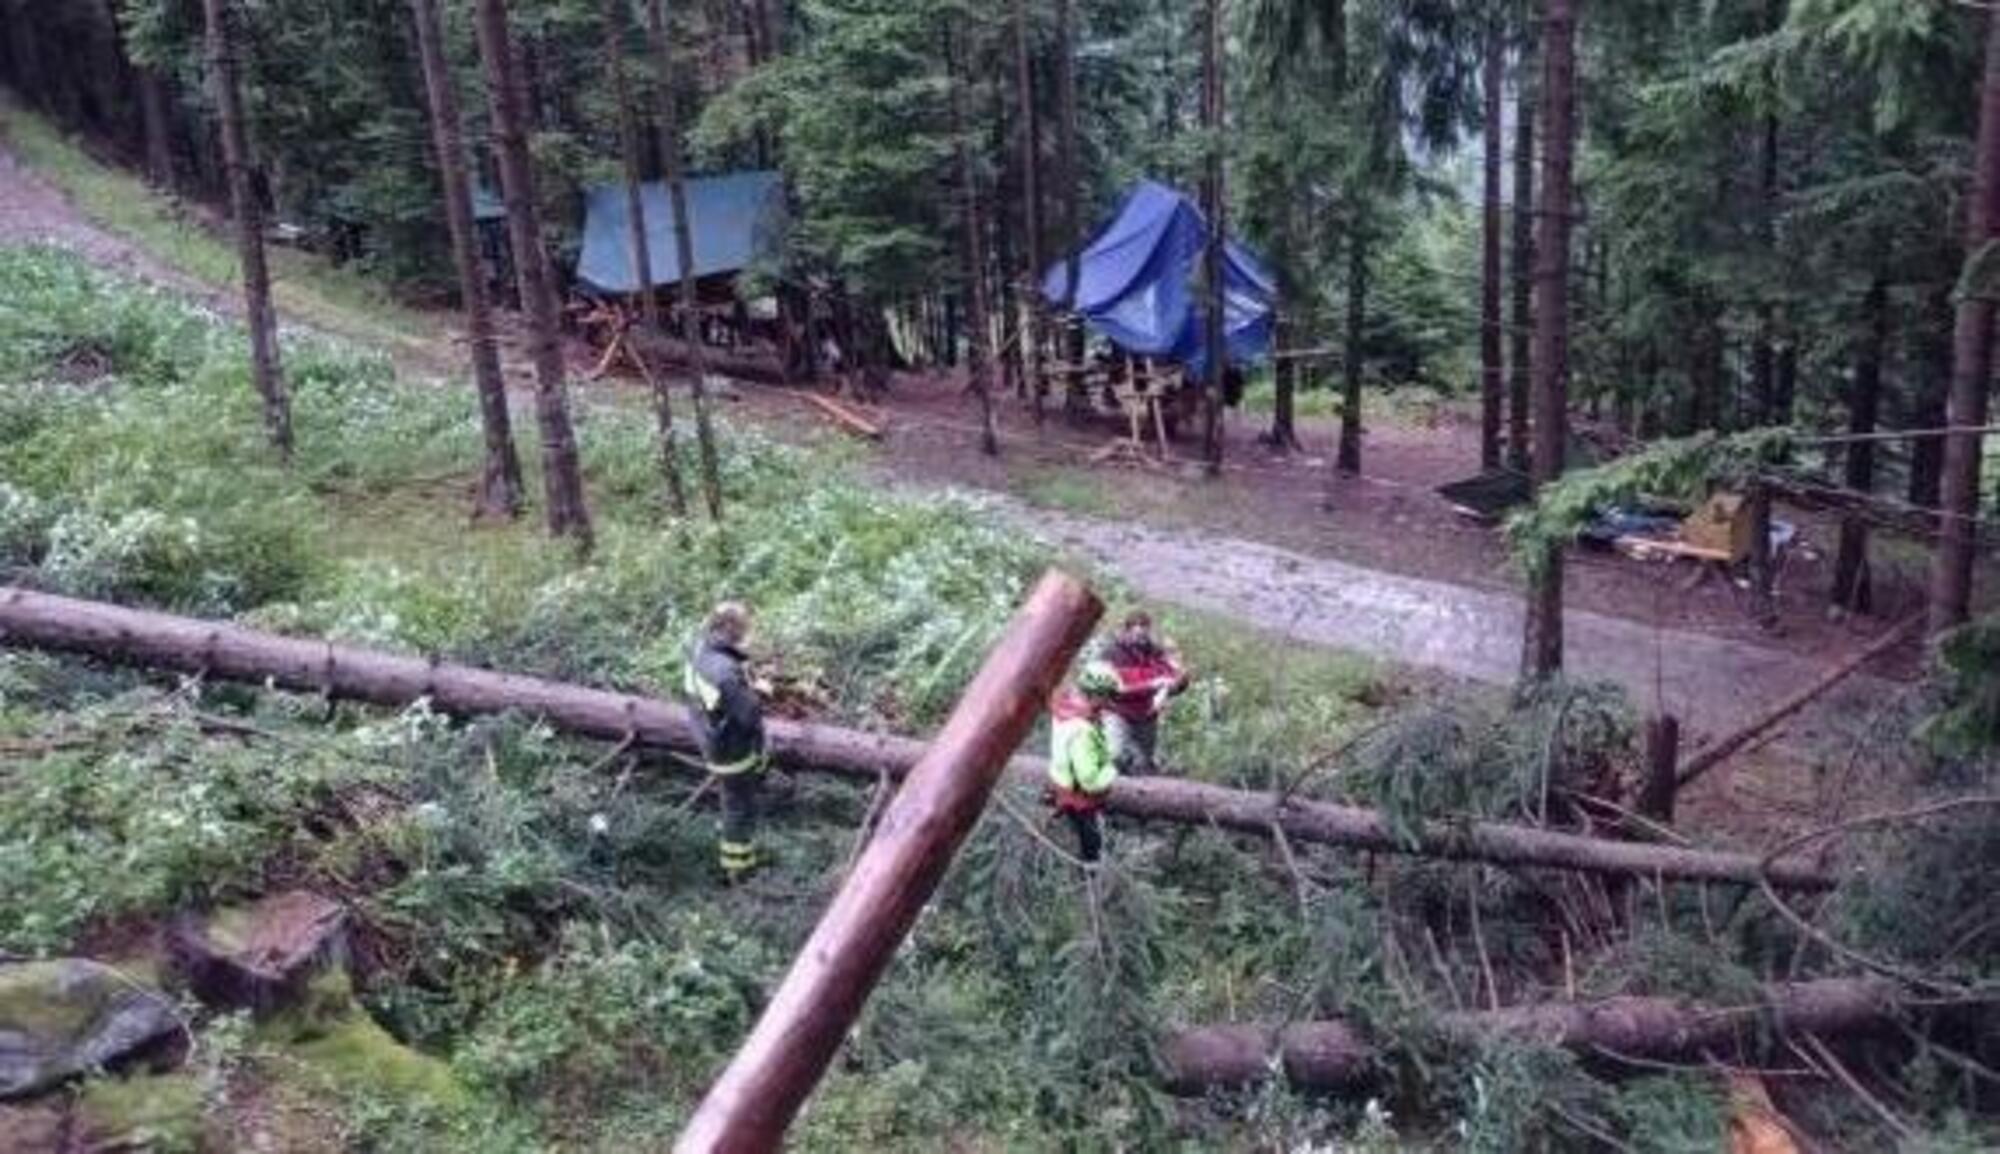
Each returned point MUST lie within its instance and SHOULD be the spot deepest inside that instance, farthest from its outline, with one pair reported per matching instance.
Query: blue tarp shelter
(734, 218)
(1136, 284)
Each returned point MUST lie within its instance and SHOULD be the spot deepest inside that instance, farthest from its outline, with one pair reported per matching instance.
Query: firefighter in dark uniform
(729, 724)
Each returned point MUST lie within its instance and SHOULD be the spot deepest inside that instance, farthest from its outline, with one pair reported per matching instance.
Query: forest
(1547, 438)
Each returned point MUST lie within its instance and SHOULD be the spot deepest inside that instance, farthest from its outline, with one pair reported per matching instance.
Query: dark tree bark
(500, 481)
(1214, 270)
(1971, 369)
(1927, 407)
(1520, 369)
(1764, 388)
(1031, 206)
(1705, 408)
(1851, 586)
(642, 257)
(266, 368)
(1348, 458)
(154, 103)
(979, 356)
(1284, 435)
(562, 470)
(615, 13)
(1542, 650)
(1070, 200)
(1492, 369)
(690, 307)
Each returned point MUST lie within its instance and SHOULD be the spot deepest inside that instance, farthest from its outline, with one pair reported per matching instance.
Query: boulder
(262, 955)
(68, 1016)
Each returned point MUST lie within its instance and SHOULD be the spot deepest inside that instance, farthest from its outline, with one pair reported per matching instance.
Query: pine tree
(266, 367)
(1542, 650)
(562, 471)
(499, 493)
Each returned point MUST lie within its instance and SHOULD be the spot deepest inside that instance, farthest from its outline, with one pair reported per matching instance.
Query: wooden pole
(753, 1102)
(231, 653)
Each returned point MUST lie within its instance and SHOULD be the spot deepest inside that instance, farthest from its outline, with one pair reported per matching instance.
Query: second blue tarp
(1137, 277)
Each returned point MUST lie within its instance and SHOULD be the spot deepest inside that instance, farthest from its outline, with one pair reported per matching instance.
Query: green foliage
(1467, 759)
(1675, 470)
(599, 1024)
(1965, 723)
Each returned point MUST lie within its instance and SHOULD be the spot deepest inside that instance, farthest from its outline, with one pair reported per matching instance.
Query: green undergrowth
(179, 236)
(543, 956)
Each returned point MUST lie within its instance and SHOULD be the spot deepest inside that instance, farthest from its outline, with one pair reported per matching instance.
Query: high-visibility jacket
(1147, 676)
(1080, 763)
(729, 720)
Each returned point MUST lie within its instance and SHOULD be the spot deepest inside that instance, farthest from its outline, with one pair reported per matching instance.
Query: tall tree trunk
(1851, 587)
(1492, 370)
(615, 14)
(266, 369)
(1348, 459)
(1070, 200)
(562, 470)
(1214, 261)
(1933, 372)
(1705, 371)
(1542, 650)
(642, 257)
(1031, 207)
(1764, 387)
(500, 480)
(1520, 369)
(1971, 368)
(979, 355)
(153, 105)
(1284, 435)
(690, 306)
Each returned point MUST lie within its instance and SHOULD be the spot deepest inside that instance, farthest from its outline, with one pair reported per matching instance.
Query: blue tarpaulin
(1135, 284)
(734, 218)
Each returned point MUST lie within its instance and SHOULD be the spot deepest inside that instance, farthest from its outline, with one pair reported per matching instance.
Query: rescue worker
(1081, 768)
(729, 725)
(1149, 674)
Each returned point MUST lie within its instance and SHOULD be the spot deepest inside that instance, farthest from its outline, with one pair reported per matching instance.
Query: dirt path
(1713, 683)
(33, 211)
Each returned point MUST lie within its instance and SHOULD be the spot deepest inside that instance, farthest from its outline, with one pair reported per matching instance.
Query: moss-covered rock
(68, 1016)
(330, 1035)
(161, 1114)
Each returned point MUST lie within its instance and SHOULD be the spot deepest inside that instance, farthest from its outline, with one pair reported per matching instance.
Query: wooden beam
(750, 1106)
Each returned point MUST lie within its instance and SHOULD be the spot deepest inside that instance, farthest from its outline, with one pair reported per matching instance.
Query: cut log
(232, 653)
(845, 417)
(1333, 1055)
(754, 1100)
(684, 357)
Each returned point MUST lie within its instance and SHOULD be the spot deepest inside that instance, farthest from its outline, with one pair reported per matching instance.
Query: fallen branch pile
(1333, 1055)
(211, 649)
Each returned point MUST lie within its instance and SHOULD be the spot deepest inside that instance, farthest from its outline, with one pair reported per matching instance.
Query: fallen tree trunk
(663, 351)
(143, 638)
(751, 1104)
(1333, 1055)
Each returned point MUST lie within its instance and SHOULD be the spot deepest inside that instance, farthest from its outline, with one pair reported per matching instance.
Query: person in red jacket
(1150, 674)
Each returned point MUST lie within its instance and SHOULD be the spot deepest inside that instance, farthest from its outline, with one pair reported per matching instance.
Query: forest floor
(1377, 563)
